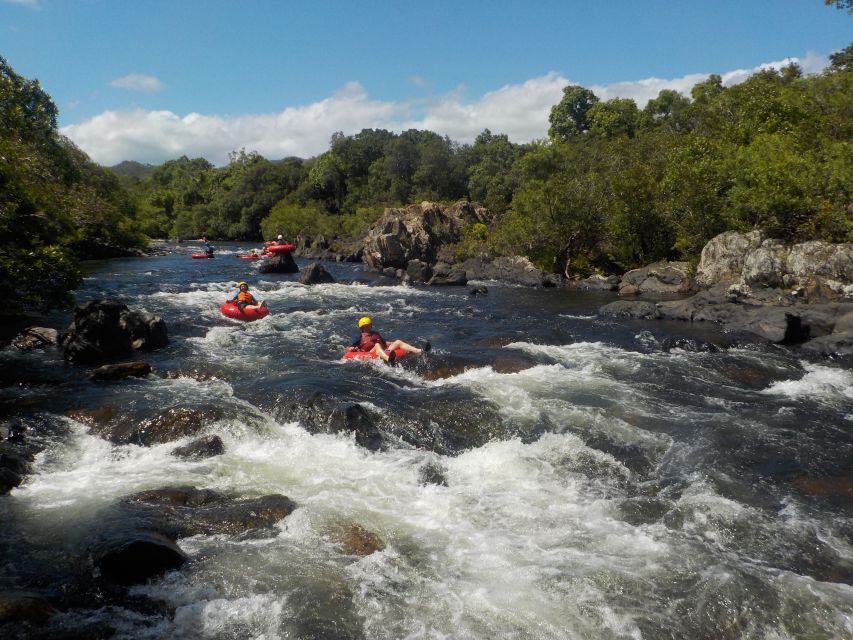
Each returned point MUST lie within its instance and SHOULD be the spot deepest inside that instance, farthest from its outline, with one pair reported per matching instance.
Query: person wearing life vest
(208, 248)
(371, 341)
(246, 300)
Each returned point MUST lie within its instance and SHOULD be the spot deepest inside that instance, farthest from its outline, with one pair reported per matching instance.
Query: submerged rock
(186, 511)
(320, 413)
(432, 473)
(173, 424)
(133, 557)
(358, 541)
(206, 447)
(137, 369)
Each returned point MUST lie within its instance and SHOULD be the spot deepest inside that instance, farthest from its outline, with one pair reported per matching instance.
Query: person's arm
(381, 340)
(355, 343)
(234, 299)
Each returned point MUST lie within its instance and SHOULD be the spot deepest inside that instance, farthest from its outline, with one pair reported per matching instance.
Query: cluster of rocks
(787, 294)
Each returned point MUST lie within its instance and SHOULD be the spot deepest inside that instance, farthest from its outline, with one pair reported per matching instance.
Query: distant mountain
(133, 169)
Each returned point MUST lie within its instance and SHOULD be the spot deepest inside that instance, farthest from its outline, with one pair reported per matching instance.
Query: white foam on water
(820, 383)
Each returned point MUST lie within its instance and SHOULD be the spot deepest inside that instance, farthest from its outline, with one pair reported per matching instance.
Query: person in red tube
(370, 341)
(246, 300)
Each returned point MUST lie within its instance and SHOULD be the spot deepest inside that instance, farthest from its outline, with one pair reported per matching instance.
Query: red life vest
(369, 340)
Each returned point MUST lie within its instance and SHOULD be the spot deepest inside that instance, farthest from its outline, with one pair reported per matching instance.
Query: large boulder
(418, 271)
(724, 256)
(445, 275)
(132, 557)
(660, 277)
(173, 424)
(315, 273)
(417, 232)
(104, 330)
(279, 263)
(816, 270)
(320, 413)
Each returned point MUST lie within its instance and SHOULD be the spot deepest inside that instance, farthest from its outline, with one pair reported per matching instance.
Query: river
(598, 483)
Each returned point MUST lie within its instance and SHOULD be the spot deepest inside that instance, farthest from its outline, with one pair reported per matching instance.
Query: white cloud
(138, 82)
(418, 81)
(518, 110)
(34, 4)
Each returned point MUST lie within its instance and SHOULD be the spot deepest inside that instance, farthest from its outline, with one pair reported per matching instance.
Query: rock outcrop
(204, 447)
(103, 330)
(136, 369)
(172, 424)
(279, 263)
(417, 232)
(819, 271)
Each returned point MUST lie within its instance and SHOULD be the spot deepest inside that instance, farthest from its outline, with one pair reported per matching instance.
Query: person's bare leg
(379, 351)
(399, 344)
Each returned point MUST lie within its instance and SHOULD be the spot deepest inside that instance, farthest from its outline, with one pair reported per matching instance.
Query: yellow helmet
(241, 284)
(364, 322)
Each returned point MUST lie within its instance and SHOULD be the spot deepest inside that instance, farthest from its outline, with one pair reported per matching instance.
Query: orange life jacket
(245, 296)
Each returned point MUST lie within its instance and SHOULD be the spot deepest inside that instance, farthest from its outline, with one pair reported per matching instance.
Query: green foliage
(569, 117)
(292, 220)
(56, 206)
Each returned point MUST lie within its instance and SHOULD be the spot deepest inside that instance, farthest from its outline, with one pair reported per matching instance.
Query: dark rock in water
(24, 606)
(479, 291)
(630, 309)
(101, 417)
(418, 271)
(315, 273)
(35, 338)
(320, 413)
(358, 541)
(432, 473)
(444, 275)
(514, 269)
(172, 425)
(354, 419)
(103, 330)
(279, 263)
(146, 330)
(836, 344)
(205, 447)
(186, 511)
(132, 557)
(137, 369)
(9, 480)
(389, 272)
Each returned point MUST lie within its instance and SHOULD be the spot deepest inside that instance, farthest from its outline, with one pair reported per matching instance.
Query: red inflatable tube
(201, 256)
(231, 310)
(280, 248)
(369, 355)
(249, 257)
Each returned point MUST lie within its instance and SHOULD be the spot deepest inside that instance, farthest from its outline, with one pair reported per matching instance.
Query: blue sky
(151, 80)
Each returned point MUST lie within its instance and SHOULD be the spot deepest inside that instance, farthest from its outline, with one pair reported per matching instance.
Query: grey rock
(418, 271)
(660, 277)
(315, 273)
(723, 257)
(630, 309)
(279, 263)
(24, 606)
(133, 557)
(445, 275)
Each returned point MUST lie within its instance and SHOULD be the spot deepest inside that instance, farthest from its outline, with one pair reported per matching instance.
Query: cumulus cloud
(34, 4)
(518, 110)
(138, 82)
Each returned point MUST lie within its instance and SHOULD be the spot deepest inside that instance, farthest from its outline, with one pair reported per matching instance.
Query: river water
(597, 483)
